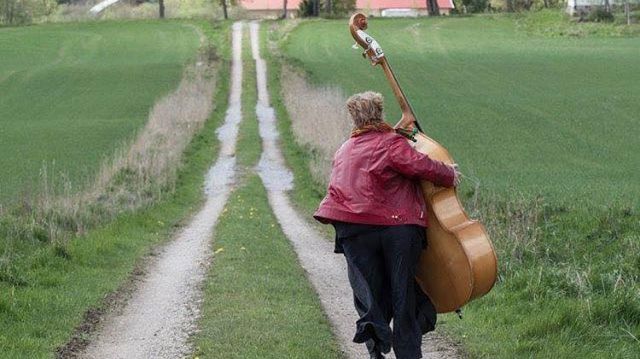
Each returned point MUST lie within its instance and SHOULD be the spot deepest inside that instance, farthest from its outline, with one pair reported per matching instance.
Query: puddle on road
(220, 176)
(272, 169)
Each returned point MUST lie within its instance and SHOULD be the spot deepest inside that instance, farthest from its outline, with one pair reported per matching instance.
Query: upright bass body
(459, 263)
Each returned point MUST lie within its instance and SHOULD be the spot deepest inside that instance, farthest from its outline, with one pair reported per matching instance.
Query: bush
(326, 8)
(519, 5)
(599, 14)
(474, 6)
(525, 5)
(23, 12)
(342, 7)
(307, 8)
(14, 12)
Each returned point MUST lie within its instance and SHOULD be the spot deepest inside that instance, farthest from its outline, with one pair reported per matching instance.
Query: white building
(584, 6)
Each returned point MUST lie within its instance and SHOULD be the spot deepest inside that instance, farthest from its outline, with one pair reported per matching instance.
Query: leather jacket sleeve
(405, 160)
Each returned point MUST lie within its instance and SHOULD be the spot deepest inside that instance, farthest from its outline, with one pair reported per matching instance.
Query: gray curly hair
(365, 108)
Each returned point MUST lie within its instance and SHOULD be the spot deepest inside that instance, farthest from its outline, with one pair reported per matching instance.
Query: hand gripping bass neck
(460, 263)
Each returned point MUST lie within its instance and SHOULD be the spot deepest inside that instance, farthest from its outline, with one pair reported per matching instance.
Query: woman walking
(376, 206)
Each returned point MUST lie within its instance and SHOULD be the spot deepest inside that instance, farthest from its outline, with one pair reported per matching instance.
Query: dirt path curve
(326, 270)
(157, 321)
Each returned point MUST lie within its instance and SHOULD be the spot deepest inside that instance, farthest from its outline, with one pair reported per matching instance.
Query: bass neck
(408, 116)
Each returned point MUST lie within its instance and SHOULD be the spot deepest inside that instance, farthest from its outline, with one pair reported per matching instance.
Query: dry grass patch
(153, 159)
(140, 173)
(319, 119)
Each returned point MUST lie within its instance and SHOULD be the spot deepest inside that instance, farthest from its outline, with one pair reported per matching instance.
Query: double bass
(459, 263)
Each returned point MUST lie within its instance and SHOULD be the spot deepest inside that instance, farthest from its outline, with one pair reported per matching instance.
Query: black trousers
(381, 265)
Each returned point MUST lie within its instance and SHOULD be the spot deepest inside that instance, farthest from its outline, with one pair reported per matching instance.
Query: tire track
(159, 318)
(326, 270)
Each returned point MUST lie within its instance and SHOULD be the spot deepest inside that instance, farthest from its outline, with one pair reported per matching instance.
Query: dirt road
(326, 270)
(161, 315)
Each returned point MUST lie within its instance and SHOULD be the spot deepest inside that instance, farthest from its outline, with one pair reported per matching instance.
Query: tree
(15, 12)
(161, 5)
(284, 10)
(224, 8)
(432, 7)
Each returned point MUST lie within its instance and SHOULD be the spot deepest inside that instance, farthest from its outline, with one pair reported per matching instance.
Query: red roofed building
(273, 8)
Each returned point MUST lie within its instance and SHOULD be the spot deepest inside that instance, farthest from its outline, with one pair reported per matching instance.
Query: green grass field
(72, 93)
(46, 288)
(550, 116)
(549, 125)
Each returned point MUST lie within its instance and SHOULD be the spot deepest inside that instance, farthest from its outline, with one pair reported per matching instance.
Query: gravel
(161, 315)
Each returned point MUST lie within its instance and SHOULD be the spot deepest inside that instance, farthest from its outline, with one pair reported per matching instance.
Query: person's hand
(457, 175)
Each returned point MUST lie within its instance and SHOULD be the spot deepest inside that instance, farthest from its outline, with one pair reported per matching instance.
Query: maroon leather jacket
(374, 180)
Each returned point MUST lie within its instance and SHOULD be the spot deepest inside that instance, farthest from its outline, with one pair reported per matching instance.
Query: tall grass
(321, 120)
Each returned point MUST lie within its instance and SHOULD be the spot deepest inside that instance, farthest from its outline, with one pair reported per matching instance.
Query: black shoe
(375, 352)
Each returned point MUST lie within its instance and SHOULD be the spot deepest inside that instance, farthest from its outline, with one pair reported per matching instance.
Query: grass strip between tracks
(257, 301)
(50, 290)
